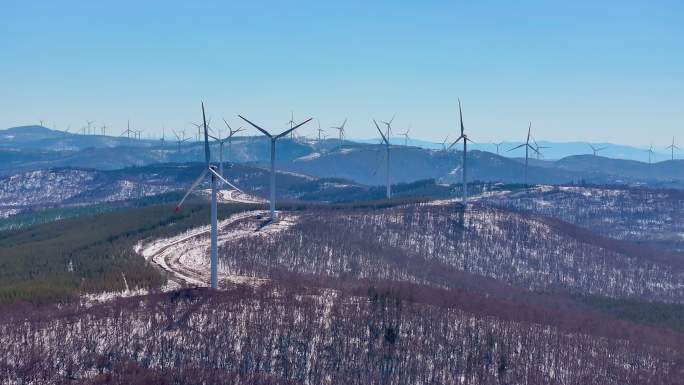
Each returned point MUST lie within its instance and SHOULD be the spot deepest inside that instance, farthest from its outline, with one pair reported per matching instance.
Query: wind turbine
(527, 148)
(538, 147)
(463, 136)
(444, 146)
(497, 147)
(211, 170)
(406, 137)
(385, 139)
(103, 130)
(596, 150)
(231, 132)
(180, 139)
(273, 142)
(221, 141)
(292, 123)
(89, 122)
(650, 153)
(320, 130)
(340, 128)
(672, 147)
(128, 132)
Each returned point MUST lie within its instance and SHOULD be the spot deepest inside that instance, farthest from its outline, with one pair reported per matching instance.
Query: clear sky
(580, 70)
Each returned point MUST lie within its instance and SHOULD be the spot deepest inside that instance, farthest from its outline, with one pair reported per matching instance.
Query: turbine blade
(293, 128)
(380, 131)
(460, 114)
(223, 179)
(517, 147)
(207, 154)
(255, 126)
(192, 187)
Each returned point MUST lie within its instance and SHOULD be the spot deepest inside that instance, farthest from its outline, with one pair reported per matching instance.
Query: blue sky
(581, 70)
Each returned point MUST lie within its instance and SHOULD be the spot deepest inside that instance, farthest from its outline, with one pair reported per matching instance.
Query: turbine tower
(340, 129)
(497, 147)
(527, 148)
(465, 139)
(386, 141)
(162, 144)
(273, 142)
(596, 150)
(672, 147)
(211, 170)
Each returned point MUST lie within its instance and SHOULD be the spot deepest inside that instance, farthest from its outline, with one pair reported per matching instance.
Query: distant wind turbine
(292, 123)
(320, 130)
(444, 146)
(128, 132)
(497, 147)
(273, 139)
(231, 133)
(672, 147)
(527, 148)
(406, 137)
(180, 139)
(465, 139)
(650, 153)
(596, 150)
(538, 147)
(340, 129)
(211, 170)
(221, 141)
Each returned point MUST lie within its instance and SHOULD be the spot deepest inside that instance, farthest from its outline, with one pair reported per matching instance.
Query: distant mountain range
(35, 148)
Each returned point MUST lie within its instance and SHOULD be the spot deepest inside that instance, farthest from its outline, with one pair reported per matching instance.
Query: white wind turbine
(672, 147)
(340, 129)
(650, 153)
(406, 137)
(596, 150)
(465, 139)
(273, 139)
(180, 139)
(320, 130)
(222, 141)
(527, 148)
(211, 170)
(128, 132)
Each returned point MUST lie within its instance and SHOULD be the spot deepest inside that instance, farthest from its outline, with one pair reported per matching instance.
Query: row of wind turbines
(216, 175)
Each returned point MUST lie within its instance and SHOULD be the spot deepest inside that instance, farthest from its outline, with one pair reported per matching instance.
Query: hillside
(408, 293)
